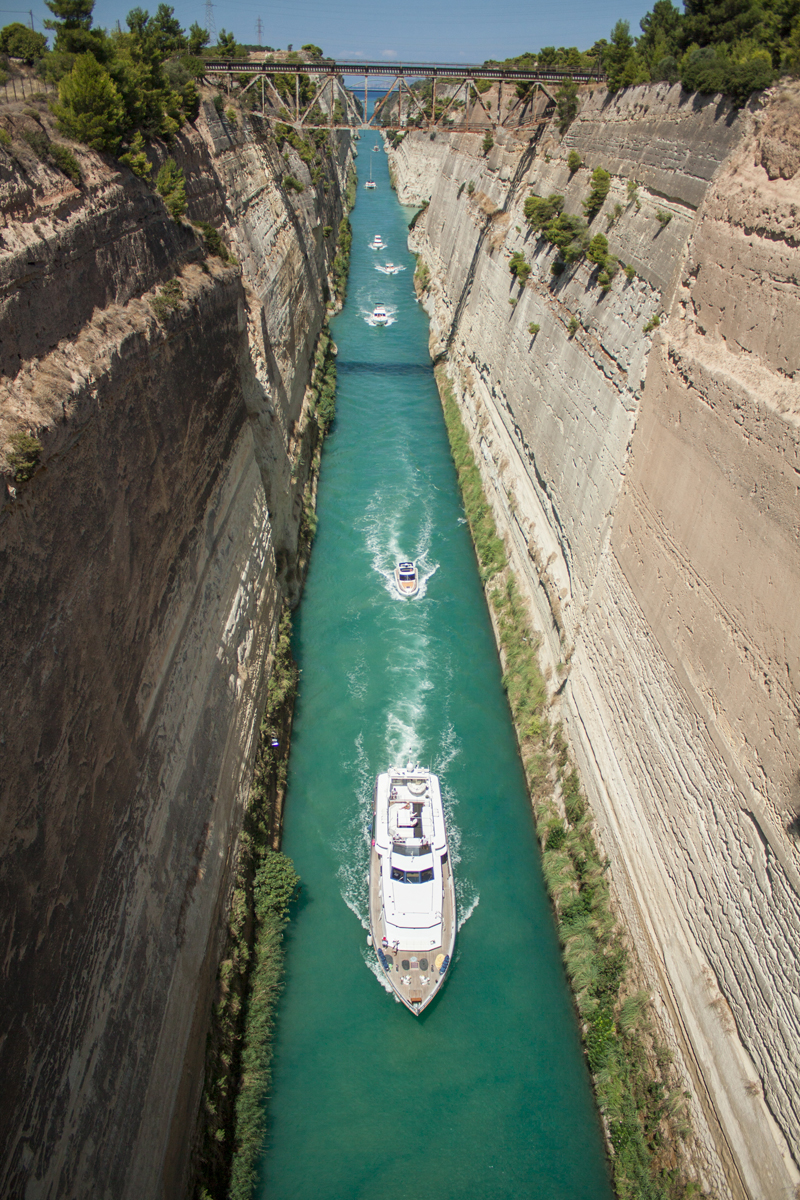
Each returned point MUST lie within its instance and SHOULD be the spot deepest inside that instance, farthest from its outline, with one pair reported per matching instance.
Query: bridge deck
(401, 70)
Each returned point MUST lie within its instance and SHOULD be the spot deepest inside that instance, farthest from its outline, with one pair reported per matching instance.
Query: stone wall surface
(648, 486)
(142, 571)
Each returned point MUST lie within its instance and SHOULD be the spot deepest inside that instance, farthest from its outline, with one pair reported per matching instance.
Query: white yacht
(389, 268)
(406, 576)
(377, 243)
(412, 897)
(379, 315)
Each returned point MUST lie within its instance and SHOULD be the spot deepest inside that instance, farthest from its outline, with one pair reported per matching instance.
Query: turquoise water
(486, 1094)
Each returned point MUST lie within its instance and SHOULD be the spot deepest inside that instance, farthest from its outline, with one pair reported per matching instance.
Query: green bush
(470, 187)
(573, 325)
(574, 161)
(136, 159)
(519, 267)
(652, 324)
(633, 194)
(630, 272)
(663, 217)
(38, 141)
(66, 161)
(24, 455)
(167, 300)
(219, 103)
(540, 212)
(231, 116)
(327, 230)
(213, 241)
(598, 250)
(566, 105)
(5, 138)
(341, 263)
(712, 69)
(291, 184)
(487, 143)
(90, 107)
(171, 184)
(533, 328)
(601, 184)
(19, 41)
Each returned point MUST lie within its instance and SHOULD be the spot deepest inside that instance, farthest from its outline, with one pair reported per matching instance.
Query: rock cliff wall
(142, 571)
(648, 485)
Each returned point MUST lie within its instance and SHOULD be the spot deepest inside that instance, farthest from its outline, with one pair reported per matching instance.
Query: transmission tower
(259, 31)
(211, 25)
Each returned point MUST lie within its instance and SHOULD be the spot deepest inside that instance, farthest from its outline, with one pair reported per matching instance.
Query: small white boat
(376, 147)
(389, 268)
(370, 182)
(377, 243)
(412, 897)
(406, 576)
(379, 315)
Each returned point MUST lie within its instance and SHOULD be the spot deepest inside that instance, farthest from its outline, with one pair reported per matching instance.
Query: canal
(486, 1094)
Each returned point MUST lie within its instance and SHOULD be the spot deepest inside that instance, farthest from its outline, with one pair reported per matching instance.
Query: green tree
(601, 184)
(660, 34)
(566, 104)
(619, 60)
(21, 42)
(168, 35)
(198, 38)
(226, 44)
(312, 51)
(73, 28)
(90, 108)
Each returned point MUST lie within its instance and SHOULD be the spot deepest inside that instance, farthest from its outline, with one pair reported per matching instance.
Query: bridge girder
(331, 75)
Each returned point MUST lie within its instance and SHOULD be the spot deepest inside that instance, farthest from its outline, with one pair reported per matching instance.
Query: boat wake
(389, 268)
(465, 908)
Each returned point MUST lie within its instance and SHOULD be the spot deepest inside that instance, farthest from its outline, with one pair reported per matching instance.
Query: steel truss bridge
(457, 83)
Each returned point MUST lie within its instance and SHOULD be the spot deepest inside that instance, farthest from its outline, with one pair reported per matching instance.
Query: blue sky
(416, 30)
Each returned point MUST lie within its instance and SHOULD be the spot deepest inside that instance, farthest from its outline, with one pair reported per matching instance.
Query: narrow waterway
(486, 1094)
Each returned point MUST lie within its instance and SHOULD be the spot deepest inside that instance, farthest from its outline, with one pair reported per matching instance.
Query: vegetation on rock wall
(643, 1107)
(239, 1053)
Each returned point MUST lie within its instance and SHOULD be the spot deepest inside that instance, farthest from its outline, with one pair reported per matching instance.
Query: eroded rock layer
(647, 479)
(142, 571)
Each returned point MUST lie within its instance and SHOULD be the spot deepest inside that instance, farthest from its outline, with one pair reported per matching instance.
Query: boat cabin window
(424, 876)
(410, 851)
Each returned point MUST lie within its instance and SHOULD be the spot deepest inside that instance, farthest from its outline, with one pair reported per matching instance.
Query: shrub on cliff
(66, 161)
(601, 184)
(171, 184)
(574, 161)
(90, 108)
(341, 263)
(136, 159)
(24, 455)
(519, 267)
(540, 212)
(566, 105)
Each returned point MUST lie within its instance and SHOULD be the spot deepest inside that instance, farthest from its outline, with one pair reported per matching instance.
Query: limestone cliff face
(142, 570)
(648, 485)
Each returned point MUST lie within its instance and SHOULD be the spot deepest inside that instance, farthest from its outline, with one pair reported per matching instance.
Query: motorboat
(412, 896)
(377, 243)
(389, 268)
(370, 184)
(379, 315)
(406, 576)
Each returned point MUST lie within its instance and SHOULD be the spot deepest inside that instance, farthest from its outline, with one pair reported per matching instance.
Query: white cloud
(389, 54)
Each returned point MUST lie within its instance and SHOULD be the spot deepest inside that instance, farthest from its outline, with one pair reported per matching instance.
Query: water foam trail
(465, 908)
